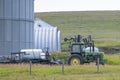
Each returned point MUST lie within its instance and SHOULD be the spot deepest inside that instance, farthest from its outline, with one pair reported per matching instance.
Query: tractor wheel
(75, 60)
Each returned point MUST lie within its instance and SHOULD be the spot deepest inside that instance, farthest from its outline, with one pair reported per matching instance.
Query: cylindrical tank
(88, 49)
(16, 25)
(33, 54)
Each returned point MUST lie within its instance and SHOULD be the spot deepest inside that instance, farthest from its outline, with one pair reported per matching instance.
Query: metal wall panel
(15, 31)
(15, 9)
(31, 32)
(15, 47)
(27, 32)
(8, 12)
(16, 25)
(2, 47)
(8, 30)
(22, 31)
(31, 10)
(59, 41)
(55, 39)
(48, 37)
(22, 9)
(27, 9)
(2, 30)
(8, 45)
(1, 9)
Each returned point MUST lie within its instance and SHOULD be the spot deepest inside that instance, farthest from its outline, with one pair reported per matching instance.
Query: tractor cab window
(77, 48)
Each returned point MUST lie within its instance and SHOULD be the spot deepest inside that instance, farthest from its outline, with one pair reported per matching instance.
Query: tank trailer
(34, 55)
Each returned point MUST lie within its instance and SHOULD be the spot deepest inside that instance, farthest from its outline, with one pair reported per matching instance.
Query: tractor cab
(77, 48)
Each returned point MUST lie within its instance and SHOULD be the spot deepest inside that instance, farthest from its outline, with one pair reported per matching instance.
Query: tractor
(82, 51)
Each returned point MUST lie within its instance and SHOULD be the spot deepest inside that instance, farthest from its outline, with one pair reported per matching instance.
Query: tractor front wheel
(75, 60)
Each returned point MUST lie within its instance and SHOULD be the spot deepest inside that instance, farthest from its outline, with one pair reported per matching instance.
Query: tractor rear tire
(75, 60)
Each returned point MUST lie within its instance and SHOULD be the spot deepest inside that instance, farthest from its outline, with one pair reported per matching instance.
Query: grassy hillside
(104, 26)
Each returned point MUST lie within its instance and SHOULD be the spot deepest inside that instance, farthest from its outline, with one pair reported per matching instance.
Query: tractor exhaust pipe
(79, 38)
(93, 46)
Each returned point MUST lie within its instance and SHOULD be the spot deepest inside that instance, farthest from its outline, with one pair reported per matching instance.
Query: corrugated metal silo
(47, 36)
(16, 25)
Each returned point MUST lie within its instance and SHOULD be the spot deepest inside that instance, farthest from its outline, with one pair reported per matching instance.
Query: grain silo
(16, 25)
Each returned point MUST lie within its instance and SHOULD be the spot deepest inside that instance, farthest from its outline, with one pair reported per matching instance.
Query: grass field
(110, 71)
(104, 26)
(47, 72)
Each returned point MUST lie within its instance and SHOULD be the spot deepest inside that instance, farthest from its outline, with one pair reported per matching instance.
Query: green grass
(47, 72)
(113, 59)
(107, 43)
(110, 71)
(61, 55)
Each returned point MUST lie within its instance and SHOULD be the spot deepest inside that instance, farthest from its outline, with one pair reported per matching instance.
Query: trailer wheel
(75, 60)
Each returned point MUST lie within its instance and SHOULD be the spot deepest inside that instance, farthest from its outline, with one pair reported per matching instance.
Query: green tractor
(83, 51)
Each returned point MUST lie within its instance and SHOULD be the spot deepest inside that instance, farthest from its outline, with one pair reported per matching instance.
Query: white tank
(88, 49)
(33, 54)
(16, 25)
